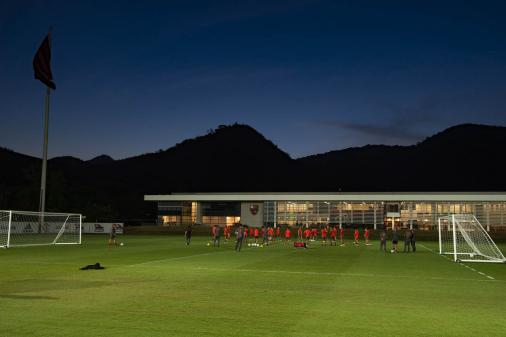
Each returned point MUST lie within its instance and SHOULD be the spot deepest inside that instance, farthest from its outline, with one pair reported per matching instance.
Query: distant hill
(230, 158)
(238, 158)
(465, 157)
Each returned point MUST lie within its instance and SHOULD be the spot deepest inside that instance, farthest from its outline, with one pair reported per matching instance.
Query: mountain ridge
(237, 158)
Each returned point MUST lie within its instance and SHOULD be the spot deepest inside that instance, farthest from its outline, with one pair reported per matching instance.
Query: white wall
(247, 216)
(101, 227)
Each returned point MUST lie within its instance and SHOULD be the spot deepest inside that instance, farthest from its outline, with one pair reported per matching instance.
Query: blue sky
(312, 76)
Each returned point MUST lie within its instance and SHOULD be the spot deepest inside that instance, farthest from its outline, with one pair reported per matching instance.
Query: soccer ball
(122, 244)
(261, 246)
(249, 244)
(391, 251)
(471, 255)
(208, 244)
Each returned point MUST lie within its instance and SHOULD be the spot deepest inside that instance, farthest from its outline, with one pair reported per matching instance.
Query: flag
(42, 64)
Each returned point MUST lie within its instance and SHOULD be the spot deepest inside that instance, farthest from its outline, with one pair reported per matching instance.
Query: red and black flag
(42, 64)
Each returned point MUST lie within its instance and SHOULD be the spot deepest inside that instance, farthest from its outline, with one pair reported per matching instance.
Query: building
(416, 209)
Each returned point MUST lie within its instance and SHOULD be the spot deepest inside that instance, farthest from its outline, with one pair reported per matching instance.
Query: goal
(463, 237)
(19, 228)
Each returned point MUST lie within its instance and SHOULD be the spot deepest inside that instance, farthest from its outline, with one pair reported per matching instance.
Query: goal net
(463, 237)
(19, 228)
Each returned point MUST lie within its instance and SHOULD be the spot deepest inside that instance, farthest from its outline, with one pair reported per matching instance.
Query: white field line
(122, 265)
(242, 270)
(180, 257)
(66, 263)
(169, 259)
(48, 262)
(462, 264)
(337, 274)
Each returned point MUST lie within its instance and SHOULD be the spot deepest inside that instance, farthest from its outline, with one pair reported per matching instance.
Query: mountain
(465, 157)
(100, 160)
(237, 158)
(230, 158)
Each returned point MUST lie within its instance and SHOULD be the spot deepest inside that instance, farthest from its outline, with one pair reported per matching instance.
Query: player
(225, 233)
(395, 239)
(112, 236)
(288, 234)
(252, 232)
(333, 234)
(278, 233)
(245, 232)
(240, 236)
(324, 235)
(307, 234)
(265, 236)
(299, 233)
(213, 232)
(314, 234)
(413, 240)
(341, 235)
(356, 235)
(407, 240)
(255, 234)
(383, 240)
(188, 234)
(217, 236)
(271, 233)
(366, 236)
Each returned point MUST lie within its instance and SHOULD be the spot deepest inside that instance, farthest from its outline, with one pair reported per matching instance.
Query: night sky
(312, 76)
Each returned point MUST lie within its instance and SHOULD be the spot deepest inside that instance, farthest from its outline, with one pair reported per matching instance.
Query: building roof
(329, 196)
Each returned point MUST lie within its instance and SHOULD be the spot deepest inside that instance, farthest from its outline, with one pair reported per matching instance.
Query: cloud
(378, 132)
(397, 122)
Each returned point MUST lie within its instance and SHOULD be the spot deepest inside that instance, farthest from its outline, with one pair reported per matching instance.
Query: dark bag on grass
(92, 266)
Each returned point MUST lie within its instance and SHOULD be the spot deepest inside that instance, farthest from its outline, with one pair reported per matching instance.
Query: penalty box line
(340, 274)
(173, 259)
(178, 258)
(462, 264)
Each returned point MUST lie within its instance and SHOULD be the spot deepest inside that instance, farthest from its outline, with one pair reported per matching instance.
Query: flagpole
(42, 201)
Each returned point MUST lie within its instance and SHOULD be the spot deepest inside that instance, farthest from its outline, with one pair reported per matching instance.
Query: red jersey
(324, 233)
(366, 234)
(299, 232)
(314, 232)
(333, 232)
(341, 232)
(278, 231)
(288, 233)
(307, 233)
(271, 231)
(246, 233)
(356, 234)
(256, 232)
(251, 232)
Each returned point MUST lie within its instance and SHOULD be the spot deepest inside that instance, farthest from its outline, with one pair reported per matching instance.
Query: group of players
(265, 234)
(302, 234)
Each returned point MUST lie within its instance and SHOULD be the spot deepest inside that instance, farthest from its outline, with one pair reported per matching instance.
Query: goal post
(464, 238)
(21, 228)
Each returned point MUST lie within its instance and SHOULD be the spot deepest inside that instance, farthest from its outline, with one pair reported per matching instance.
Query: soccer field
(157, 286)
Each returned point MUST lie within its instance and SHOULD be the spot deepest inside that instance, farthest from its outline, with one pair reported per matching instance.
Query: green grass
(156, 286)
